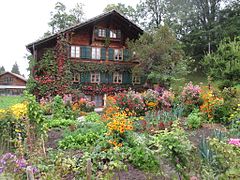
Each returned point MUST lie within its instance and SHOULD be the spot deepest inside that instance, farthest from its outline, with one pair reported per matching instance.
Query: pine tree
(2, 69)
(15, 69)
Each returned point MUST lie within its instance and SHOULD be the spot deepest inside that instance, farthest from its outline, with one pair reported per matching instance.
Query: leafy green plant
(61, 123)
(93, 117)
(194, 120)
(175, 146)
(143, 158)
(58, 107)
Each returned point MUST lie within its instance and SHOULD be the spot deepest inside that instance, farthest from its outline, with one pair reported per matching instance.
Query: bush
(175, 146)
(131, 101)
(194, 120)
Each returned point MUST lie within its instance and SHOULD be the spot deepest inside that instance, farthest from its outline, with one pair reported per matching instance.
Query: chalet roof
(16, 75)
(80, 25)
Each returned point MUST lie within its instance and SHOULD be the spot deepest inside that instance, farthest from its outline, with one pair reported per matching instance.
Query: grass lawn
(7, 101)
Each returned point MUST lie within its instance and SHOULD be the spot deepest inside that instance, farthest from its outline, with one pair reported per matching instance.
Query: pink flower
(235, 142)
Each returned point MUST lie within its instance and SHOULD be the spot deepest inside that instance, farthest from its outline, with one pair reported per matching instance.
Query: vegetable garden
(190, 134)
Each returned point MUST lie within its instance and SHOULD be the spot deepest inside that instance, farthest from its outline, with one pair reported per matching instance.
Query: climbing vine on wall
(52, 73)
(100, 67)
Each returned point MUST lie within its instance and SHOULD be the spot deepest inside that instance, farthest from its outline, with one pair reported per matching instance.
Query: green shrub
(194, 120)
(143, 158)
(61, 123)
(93, 117)
(175, 146)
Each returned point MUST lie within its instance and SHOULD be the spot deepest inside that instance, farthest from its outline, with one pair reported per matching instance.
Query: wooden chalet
(12, 84)
(99, 45)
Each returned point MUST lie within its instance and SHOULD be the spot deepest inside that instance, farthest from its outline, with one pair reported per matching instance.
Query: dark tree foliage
(127, 11)
(2, 69)
(15, 69)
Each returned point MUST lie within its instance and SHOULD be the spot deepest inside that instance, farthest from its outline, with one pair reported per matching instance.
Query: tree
(15, 69)
(160, 56)
(127, 11)
(2, 69)
(151, 13)
(224, 64)
(60, 19)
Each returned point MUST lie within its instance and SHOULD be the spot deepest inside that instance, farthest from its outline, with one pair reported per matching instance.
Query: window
(118, 55)
(96, 53)
(113, 34)
(136, 79)
(8, 79)
(117, 78)
(76, 77)
(75, 51)
(101, 32)
(95, 77)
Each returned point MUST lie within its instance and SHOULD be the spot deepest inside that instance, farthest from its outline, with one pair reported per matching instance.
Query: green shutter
(110, 54)
(104, 77)
(103, 53)
(107, 32)
(88, 52)
(85, 52)
(110, 77)
(127, 78)
(125, 55)
(85, 77)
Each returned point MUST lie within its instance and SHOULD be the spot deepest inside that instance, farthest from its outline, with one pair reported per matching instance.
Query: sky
(25, 21)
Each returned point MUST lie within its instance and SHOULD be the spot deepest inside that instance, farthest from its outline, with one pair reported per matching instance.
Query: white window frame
(118, 54)
(117, 78)
(94, 78)
(75, 51)
(76, 77)
(136, 79)
(113, 33)
(101, 32)
(96, 53)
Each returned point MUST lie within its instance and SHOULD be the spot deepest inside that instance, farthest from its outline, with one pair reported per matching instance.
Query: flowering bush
(166, 100)
(235, 142)
(19, 110)
(84, 105)
(150, 98)
(191, 94)
(210, 101)
(10, 164)
(132, 101)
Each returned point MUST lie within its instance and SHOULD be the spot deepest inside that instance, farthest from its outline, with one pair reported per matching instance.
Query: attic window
(101, 32)
(115, 34)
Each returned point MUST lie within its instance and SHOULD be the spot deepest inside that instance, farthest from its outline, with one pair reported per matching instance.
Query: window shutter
(82, 52)
(125, 55)
(88, 52)
(96, 32)
(110, 77)
(110, 54)
(118, 34)
(85, 77)
(127, 79)
(103, 53)
(107, 32)
(103, 77)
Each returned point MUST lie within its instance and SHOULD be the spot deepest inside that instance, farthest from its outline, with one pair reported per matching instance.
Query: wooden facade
(100, 41)
(12, 84)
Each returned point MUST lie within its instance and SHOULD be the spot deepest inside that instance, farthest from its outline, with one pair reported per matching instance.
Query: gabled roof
(16, 75)
(83, 24)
